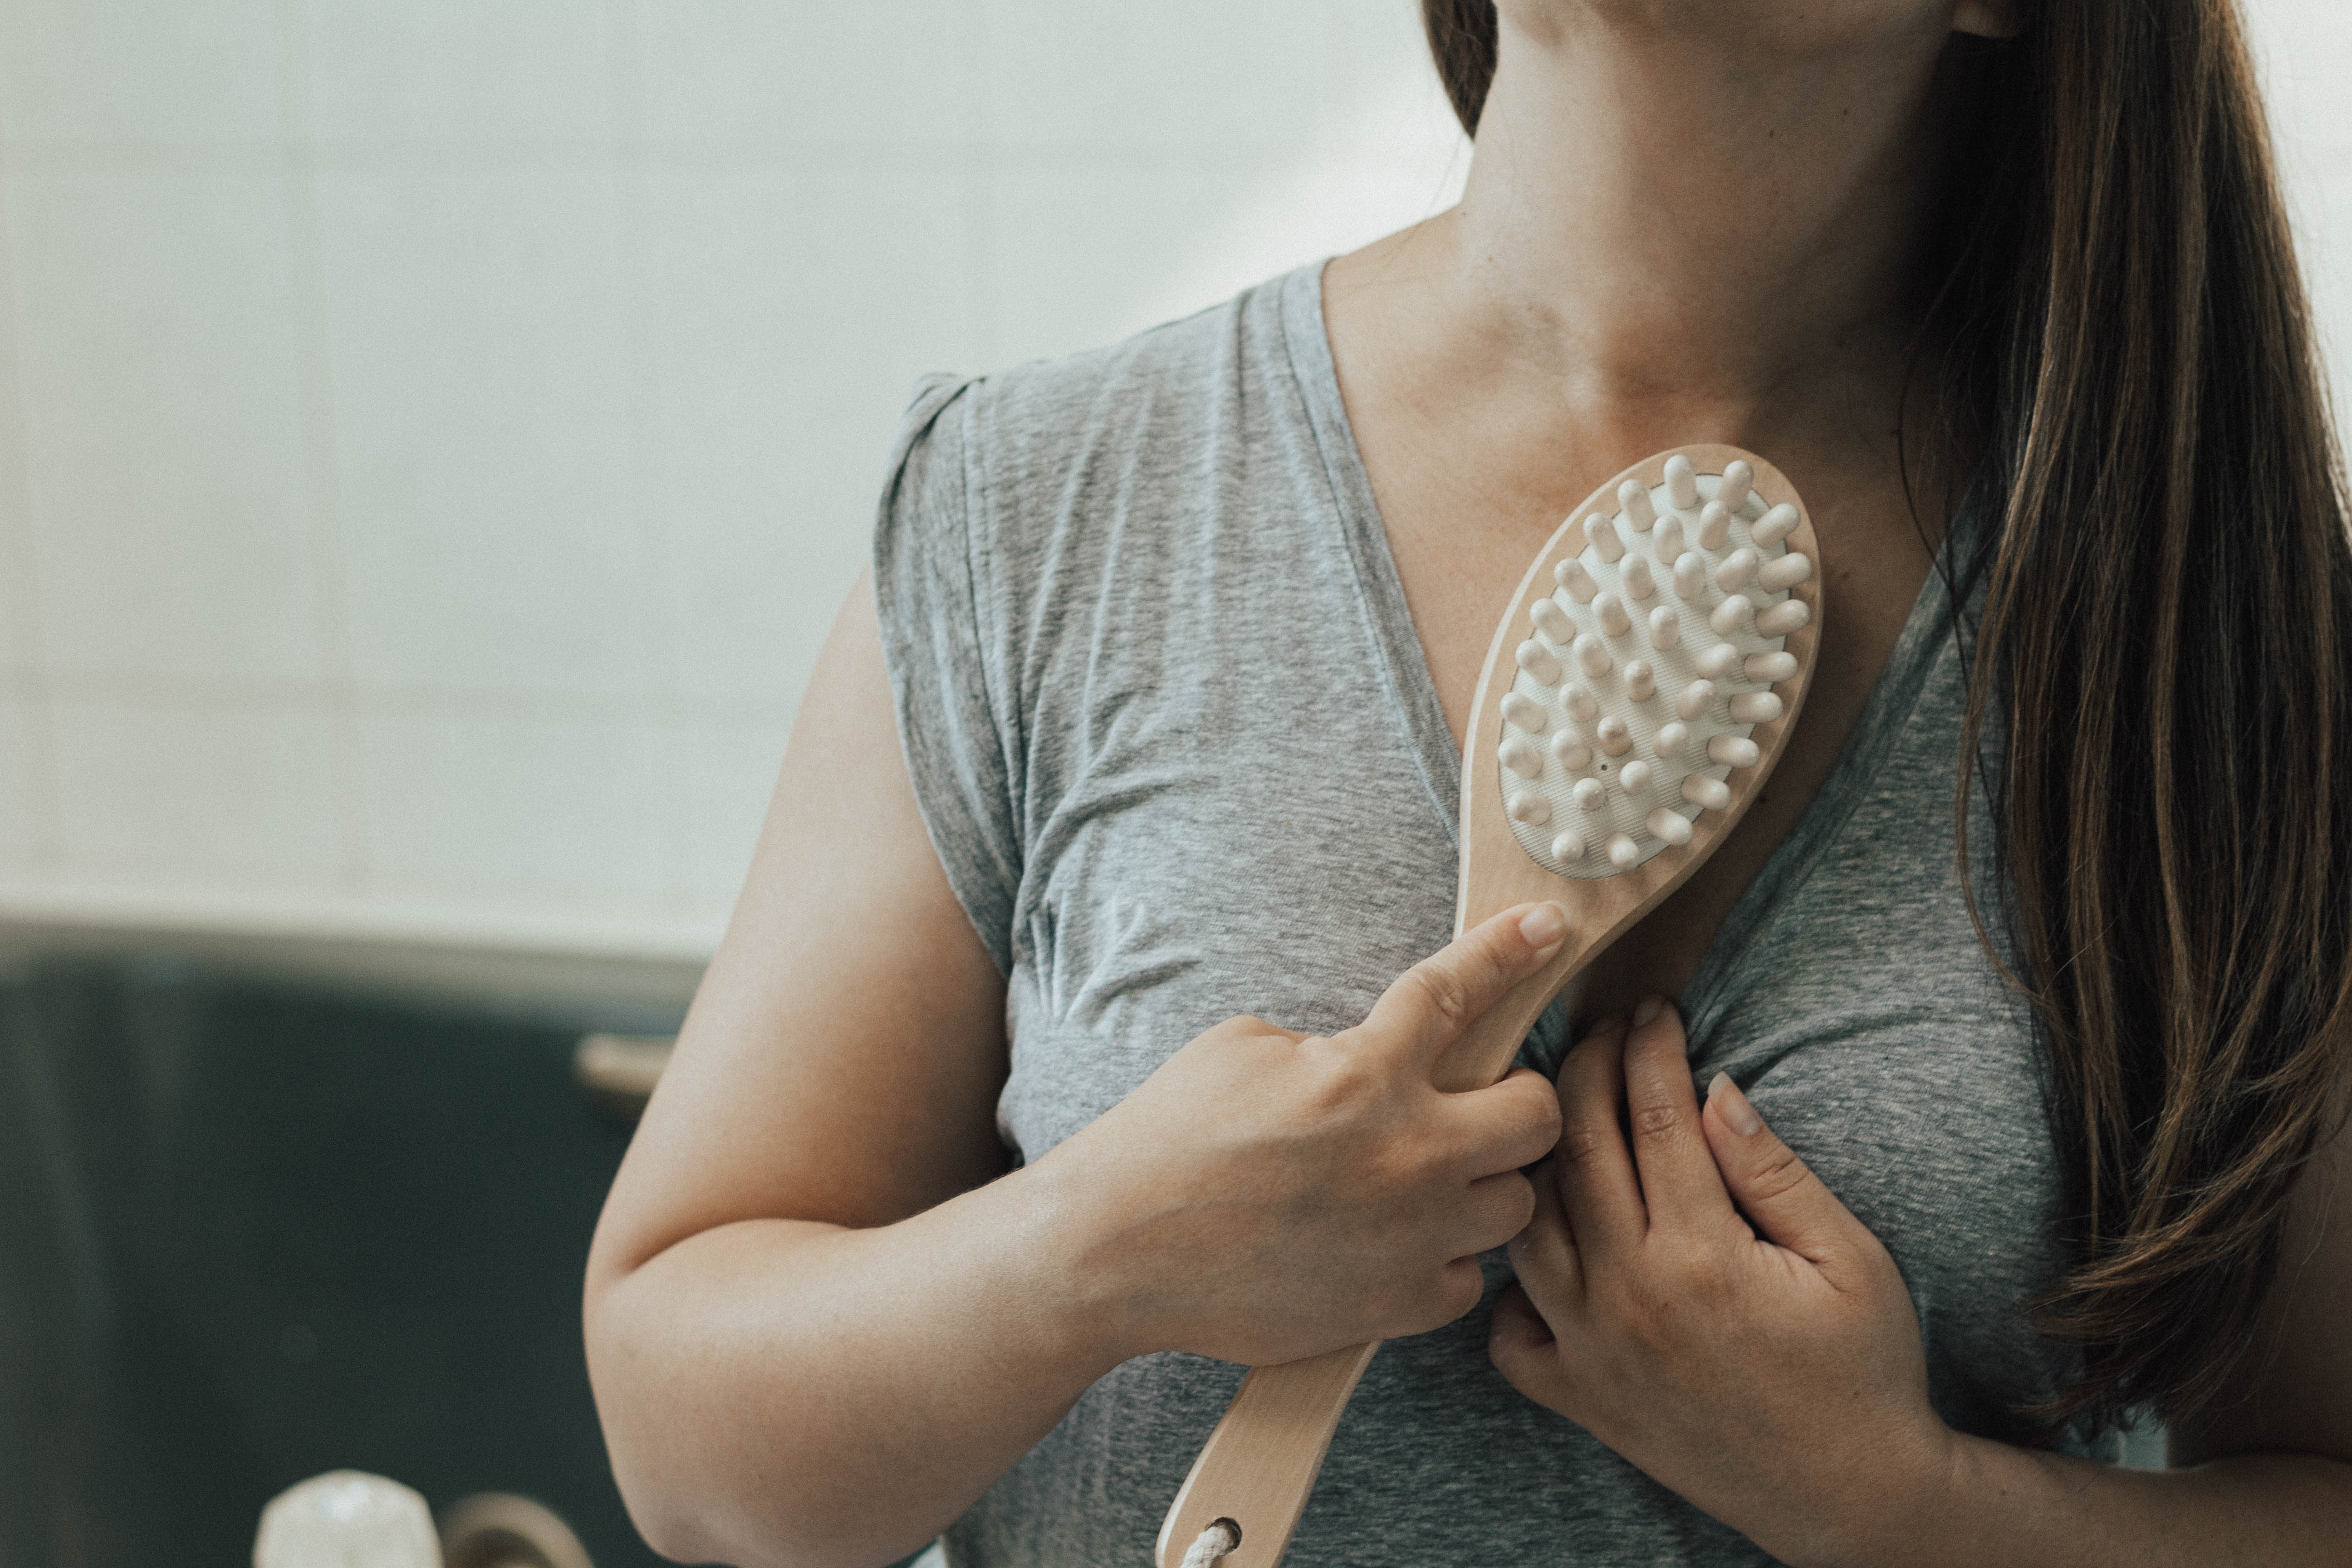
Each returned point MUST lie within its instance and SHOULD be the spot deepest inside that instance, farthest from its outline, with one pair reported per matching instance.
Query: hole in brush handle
(1261, 1461)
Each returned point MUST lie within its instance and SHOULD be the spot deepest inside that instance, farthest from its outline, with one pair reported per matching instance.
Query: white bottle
(346, 1519)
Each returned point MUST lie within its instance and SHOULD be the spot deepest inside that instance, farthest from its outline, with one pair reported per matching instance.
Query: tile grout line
(661, 700)
(322, 477)
(740, 154)
(581, 921)
(980, 169)
(280, 694)
(42, 779)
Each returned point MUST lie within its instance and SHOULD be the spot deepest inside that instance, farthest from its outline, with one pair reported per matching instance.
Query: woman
(1179, 638)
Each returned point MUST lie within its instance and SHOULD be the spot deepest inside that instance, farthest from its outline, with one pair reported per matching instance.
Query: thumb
(1518, 1341)
(1778, 1192)
(1433, 1002)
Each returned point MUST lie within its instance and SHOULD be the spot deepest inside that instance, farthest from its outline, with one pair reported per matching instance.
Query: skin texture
(821, 1318)
(1618, 279)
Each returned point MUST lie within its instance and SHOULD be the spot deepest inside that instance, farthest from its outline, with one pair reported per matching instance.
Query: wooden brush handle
(1262, 1460)
(1259, 1466)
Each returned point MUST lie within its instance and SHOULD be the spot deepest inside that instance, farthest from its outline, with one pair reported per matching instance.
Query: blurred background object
(496, 1529)
(435, 436)
(346, 1519)
(255, 1230)
(619, 1071)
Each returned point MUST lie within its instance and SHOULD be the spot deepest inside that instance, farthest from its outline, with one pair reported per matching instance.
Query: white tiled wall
(435, 434)
(2305, 47)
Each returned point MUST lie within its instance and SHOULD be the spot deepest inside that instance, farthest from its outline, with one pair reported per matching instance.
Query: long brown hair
(2164, 659)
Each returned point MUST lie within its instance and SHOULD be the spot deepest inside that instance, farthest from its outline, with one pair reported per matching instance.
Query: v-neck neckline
(1404, 663)
(1364, 537)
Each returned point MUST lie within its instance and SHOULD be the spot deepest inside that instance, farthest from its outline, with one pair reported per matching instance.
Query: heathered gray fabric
(1177, 746)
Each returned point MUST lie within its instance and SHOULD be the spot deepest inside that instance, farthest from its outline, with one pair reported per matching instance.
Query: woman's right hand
(822, 1320)
(1267, 1196)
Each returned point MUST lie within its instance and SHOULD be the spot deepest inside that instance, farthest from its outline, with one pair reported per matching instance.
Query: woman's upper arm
(841, 1059)
(2293, 1391)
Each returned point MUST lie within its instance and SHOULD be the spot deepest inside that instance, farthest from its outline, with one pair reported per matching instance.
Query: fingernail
(1543, 926)
(1648, 1009)
(1733, 1107)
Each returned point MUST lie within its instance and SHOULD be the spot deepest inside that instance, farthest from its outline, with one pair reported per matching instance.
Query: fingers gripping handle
(1261, 1462)
(1485, 1049)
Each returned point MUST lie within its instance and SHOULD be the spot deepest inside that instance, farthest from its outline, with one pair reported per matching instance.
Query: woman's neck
(1673, 233)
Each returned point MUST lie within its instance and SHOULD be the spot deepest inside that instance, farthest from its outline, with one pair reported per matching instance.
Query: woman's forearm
(781, 1392)
(788, 1393)
(2028, 1509)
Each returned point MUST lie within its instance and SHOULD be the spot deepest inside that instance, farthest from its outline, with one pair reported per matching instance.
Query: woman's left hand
(1772, 1376)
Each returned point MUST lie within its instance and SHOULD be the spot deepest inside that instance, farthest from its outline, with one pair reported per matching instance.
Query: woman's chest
(1243, 812)
(1858, 1012)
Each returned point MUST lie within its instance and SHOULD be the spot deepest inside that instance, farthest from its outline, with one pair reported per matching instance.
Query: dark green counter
(250, 1232)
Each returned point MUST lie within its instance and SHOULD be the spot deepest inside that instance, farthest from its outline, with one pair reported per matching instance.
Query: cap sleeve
(931, 593)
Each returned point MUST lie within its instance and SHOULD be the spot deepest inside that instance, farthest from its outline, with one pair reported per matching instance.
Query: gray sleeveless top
(1135, 603)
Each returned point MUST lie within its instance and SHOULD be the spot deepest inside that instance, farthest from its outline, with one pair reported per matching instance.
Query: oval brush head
(1640, 678)
(1640, 687)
